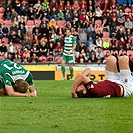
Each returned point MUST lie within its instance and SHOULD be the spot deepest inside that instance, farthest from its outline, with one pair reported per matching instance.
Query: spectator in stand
(8, 4)
(52, 24)
(119, 34)
(114, 23)
(82, 46)
(68, 6)
(34, 58)
(17, 59)
(121, 18)
(60, 30)
(26, 43)
(91, 6)
(82, 16)
(35, 27)
(60, 15)
(105, 5)
(7, 14)
(105, 25)
(90, 17)
(26, 55)
(37, 5)
(5, 31)
(44, 30)
(13, 14)
(68, 16)
(90, 42)
(50, 49)
(98, 13)
(98, 27)
(113, 5)
(53, 3)
(38, 34)
(82, 36)
(20, 37)
(3, 49)
(58, 49)
(22, 13)
(22, 21)
(128, 24)
(15, 20)
(17, 5)
(53, 13)
(128, 35)
(92, 59)
(11, 49)
(83, 5)
(90, 30)
(76, 6)
(89, 53)
(13, 36)
(13, 27)
(61, 6)
(35, 40)
(106, 44)
(113, 44)
(43, 48)
(22, 29)
(121, 43)
(82, 57)
(39, 13)
(45, 5)
(30, 13)
(99, 42)
(99, 52)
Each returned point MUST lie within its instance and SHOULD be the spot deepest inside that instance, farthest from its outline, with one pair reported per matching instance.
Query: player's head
(68, 32)
(81, 92)
(21, 86)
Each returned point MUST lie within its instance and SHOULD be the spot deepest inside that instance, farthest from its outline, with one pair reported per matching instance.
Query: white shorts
(123, 78)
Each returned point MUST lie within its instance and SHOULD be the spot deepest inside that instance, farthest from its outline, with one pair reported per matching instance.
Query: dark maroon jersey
(103, 89)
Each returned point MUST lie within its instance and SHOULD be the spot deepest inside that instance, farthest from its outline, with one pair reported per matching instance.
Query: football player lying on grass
(118, 84)
(15, 80)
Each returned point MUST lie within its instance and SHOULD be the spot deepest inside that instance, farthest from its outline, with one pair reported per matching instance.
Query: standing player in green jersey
(15, 80)
(68, 53)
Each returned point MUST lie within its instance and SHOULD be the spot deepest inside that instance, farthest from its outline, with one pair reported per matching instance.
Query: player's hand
(68, 53)
(32, 94)
(74, 95)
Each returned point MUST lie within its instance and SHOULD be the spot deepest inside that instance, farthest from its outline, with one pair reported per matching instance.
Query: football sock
(71, 72)
(63, 71)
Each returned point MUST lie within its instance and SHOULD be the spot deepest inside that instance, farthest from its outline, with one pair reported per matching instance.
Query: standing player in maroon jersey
(118, 84)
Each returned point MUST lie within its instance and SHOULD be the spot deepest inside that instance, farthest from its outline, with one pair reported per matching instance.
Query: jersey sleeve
(74, 40)
(29, 79)
(7, 79)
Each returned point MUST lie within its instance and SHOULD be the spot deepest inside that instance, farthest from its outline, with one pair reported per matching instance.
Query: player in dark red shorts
(118, 84)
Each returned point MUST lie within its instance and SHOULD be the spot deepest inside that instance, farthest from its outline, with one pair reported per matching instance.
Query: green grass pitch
(54, 111)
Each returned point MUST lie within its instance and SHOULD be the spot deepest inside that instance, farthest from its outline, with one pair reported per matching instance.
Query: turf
(54, 111)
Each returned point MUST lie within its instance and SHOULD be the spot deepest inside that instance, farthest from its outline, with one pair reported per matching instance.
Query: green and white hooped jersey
(68, 45)
(11, 71)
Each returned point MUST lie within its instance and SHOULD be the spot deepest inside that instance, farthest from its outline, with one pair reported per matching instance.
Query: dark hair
(80, 94)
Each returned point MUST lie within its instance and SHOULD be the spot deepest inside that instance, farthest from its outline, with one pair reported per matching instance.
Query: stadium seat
(30, 23)
(5, 39)
(42, 59)
(1, 15)
(127, 10)
(61, 23)
(38, 21)
(58, 59)
(98, 22)
(1, 21)
(8, 23)
(130, 52)
(18, 46)
(2, 10)
(105, 34)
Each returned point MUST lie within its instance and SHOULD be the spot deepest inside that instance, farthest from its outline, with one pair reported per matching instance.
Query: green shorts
(2, 85)
(68, 59)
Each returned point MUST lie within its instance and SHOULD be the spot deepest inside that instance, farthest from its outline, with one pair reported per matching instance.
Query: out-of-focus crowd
(33, 31)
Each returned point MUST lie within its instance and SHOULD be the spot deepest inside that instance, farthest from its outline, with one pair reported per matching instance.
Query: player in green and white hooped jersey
(14, 79)
(68, 53)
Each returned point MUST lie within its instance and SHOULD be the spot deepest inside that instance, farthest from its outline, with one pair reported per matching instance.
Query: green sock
(63, 71)
(71, 72)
